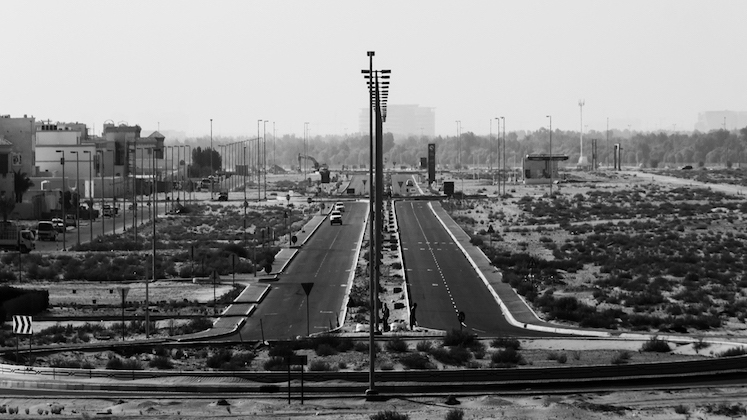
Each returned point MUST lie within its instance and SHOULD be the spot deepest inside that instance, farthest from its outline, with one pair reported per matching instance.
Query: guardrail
(516, 377)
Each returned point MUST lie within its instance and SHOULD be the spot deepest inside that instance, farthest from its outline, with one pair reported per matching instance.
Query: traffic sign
(22, 325)
(214, 276)
(462, 316)
(123, 292)
(307, 287)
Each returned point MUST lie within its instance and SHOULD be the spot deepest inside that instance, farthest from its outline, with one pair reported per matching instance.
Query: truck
(15, 238)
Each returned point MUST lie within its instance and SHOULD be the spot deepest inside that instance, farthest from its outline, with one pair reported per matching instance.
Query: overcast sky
(652, 64)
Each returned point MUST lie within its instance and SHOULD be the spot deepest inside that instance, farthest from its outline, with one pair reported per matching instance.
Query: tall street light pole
(551, 161)
(212, 173)
(259, 174)
(64, 212)
(89, 192)
(77, 196)
(264, 153)
(505, 166)
(101, 173)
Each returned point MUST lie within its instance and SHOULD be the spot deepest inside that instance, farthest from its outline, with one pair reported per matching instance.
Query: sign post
(307, 289)
(22, 325)
(296, 360)
(490, 234)
(214, 276)
(123, 292)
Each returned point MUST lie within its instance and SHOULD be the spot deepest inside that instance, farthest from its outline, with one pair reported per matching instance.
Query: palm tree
(7, 205)
(21, 184)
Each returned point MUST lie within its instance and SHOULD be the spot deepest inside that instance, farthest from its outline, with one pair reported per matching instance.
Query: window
(4, 163)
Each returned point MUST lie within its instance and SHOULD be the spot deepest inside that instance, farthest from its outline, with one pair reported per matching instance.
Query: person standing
(413, 318)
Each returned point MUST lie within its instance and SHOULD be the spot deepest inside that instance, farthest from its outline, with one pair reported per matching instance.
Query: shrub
(217, 359)
(620, 358)
(732, 352)
(319, 366)
(506, 342)
(452, 356)
(416, 361)
(562, 358)
(425, 345)
(325, 350)
(132, 364)
(114, 364)
(657, 345)
(161, 362)
(389, 415)
(508, 357)
(681, 409)
(398, 345)
(458, 338)
(454, 414)
(275, 363)
(281, 350)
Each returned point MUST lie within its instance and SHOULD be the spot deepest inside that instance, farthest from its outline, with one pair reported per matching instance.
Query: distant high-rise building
(404, 120)
(716, 120)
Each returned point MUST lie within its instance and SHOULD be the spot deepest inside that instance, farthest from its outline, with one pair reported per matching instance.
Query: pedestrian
(413, 318)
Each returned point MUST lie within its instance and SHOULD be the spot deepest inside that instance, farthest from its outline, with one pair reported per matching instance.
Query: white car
(339, 207)
(335, 217)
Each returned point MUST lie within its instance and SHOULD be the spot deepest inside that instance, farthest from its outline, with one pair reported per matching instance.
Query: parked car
(339, 207)
(59, 225)
(223, 196)
(46, 231)
(335, 218)
(70, 220)
(107, 211)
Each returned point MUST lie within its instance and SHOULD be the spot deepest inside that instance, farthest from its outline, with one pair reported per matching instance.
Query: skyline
(654, 65)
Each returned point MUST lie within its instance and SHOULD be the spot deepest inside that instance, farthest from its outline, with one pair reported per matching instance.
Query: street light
(459, 154)
(211, 160)
(77, 195)
(551, 168)
(505, 170)
(90, 198)
(64, 213)
(264, 153)
(101, 173)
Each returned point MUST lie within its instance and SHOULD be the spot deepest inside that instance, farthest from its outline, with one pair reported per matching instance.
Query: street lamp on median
(89, 192)
(505, 169)
(77, 195)
(551, 168)
(64, 213)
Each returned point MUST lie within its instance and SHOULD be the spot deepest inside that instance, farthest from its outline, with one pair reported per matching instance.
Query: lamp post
(114, 202)
(101, 173)
(77, 196)
(211, 160)
(305, 148)
(551, 168)
(505, 170)
(90, 198)
(186, 169)
(264, 153)
(459, 154)
(64, 212)
(246, 203)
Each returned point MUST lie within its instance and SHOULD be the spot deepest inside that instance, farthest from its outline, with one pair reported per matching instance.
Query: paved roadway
(327, 260)
(441, 280)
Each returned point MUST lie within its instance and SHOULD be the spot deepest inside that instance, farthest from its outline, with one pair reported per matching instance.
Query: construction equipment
(313, 161)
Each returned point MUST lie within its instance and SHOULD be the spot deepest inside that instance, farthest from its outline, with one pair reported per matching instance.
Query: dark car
(223, 196)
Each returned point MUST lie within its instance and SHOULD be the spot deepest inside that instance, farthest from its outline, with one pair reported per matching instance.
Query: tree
(7, 205)
(21, 184)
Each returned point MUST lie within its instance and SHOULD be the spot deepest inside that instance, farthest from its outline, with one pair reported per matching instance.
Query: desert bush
(732, 352)
(416, 361)
(655, 344)
(161, 362)
(275, 363)
(620, 358)
(452, 356)
(389, 415)
(458, 338)
(398, 345)
(682, 409)
(319, 366)
(114, 363)
(508, 357)
(454, 414)
(281, 350)
(425, 345)
(325, 350)
(132, 364)
(505, 342)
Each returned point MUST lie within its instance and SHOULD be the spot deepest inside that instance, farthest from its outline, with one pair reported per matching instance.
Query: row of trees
(717, 147)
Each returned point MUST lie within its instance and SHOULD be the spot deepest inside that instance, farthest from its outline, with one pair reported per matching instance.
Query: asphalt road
(327, 260)
(442, 282)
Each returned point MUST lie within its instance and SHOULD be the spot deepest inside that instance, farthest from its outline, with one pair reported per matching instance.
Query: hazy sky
(652, 64)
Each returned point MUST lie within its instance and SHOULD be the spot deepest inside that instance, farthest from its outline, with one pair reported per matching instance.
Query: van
(46, 231)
